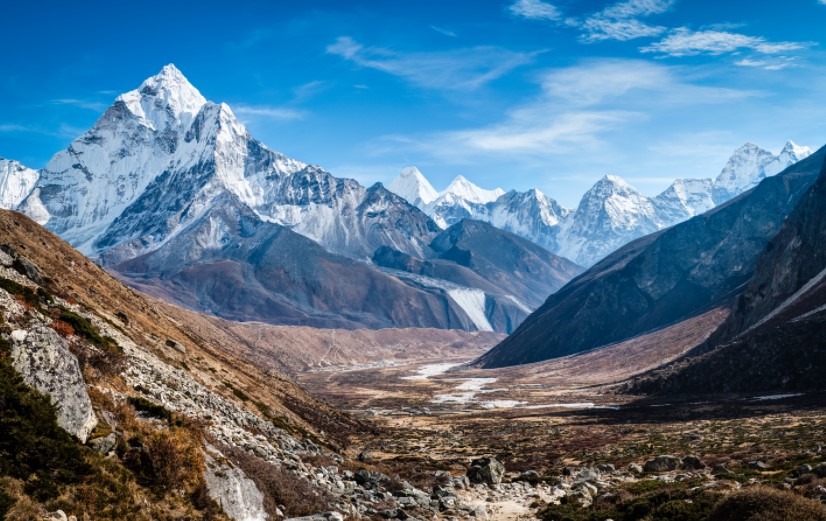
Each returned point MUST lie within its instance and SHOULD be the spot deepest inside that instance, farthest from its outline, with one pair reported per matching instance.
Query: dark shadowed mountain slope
(662, 278)
(774, 339)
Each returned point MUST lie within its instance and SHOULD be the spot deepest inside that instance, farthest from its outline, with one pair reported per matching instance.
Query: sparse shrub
(85, 329)
(241, 395)
(24, 293)
(62, 328)
(150, 408)
(768, 504)
(165, 460)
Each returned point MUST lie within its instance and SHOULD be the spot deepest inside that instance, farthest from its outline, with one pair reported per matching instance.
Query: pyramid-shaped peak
(412, 185)
(166, 93)
(411, 171)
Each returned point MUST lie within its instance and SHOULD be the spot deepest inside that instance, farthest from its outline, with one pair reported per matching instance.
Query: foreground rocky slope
(162, 422)
(662, 278)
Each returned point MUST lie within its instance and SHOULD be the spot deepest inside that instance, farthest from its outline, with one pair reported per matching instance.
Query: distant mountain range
(172, 192)
(675, 274)
(612, 213)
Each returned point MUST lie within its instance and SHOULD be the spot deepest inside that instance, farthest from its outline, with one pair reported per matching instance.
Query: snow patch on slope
(472, 302)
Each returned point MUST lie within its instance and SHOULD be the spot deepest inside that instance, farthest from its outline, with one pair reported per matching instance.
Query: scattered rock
(365, 456)
(804, 469)
(58, 515)
(606, 468)
(692, 463)
(635, 469)
(322, 516)
(757, 465)
(529, 476)
(175, 345)
(104, 444)
(662, 463)
(487, 471)
(23, 265)
(587, 474)
(820, 470)
(480, 511)
(720, 470)
(369, 479)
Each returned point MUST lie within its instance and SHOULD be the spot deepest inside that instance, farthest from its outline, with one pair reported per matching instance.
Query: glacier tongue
(472, 302)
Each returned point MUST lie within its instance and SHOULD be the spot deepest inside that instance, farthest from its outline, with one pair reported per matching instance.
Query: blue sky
(508, 93)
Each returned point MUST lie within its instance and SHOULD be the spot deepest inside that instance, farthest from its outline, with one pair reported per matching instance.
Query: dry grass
(768, 504)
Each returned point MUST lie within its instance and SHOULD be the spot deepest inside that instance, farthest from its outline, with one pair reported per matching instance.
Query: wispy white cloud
(579, 105)
(621, 22)
(634, 8)
(96, 106)
(269, 112)
(535, 10)
(769, 64)
(685, 42)
(462, 69)
(598, 29)
(14, 127)
(309, 89)
(597, 82)
(533, 130)
(442, 30)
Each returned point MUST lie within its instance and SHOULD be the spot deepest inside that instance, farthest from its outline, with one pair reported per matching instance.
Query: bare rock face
(234, 491)
(44, 361)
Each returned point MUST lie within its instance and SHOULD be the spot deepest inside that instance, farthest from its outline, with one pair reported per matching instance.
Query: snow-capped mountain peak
(795, 151)
(165, 98)
(16, 182)
(750, 164)
(413, 186)
(468, 191)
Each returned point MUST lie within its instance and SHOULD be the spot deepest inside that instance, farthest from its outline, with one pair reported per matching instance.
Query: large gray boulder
(486, 471)
(43, 359)
(234, 491)
(663, 463)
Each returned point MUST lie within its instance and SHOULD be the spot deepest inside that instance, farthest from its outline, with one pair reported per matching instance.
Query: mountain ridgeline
(662, 278)
(171, 191)
(610, 214)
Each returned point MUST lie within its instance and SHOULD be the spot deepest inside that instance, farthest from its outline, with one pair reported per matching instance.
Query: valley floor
(438, 414)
